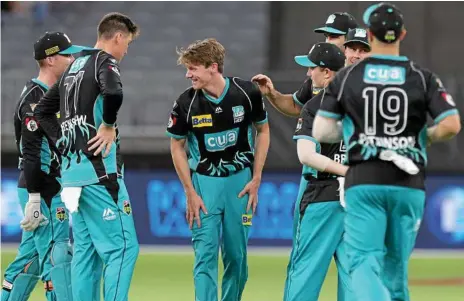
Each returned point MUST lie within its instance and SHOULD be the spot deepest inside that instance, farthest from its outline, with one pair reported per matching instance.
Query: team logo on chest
(61, 214)
(239, 113)
(127, 208)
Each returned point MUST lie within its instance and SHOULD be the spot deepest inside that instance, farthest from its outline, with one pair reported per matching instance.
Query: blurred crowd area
(37, 10)
(259, 37)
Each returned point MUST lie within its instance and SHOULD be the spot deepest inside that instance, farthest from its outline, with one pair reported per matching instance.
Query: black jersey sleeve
(331, 106)
(304, 127)
(305, 93)
(31, 141)
(109, 80)
(46, 110)
(177, 125)
(440, 102)
(258, 109)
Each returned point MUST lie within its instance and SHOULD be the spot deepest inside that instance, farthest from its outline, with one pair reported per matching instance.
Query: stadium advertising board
(158, 205)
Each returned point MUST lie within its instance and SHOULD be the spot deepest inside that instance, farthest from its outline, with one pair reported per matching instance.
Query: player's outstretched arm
(284, 103)
(194, 202)
(308, 156)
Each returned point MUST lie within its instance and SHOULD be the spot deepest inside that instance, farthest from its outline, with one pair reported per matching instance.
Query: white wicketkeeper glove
(341, 190)
(32, 213)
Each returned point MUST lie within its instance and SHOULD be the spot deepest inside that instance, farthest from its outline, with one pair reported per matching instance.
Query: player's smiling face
(199, 75)
(355, 52)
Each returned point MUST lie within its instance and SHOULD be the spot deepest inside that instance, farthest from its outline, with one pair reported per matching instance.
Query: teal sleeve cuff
(295, 99)
(297, 137)
(329, 114)
(445, 114)
(262, 121)
(178, 137)
(107, 124)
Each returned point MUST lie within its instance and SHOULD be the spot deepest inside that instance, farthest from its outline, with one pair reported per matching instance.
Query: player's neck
(385, 49)
(216, 86)
(47, 77)
(104, 46)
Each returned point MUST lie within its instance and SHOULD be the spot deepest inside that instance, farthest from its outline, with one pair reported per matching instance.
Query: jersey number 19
(391, 106)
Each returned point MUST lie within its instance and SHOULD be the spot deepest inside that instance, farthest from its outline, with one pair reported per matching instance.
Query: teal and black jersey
(304, 129)
(38, 159)
(322, 186)
(308, 94)
(383, 102)
(304, 93)
(88, 95)
(219, 131)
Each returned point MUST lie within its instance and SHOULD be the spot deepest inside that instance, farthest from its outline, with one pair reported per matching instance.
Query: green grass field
(168, 277)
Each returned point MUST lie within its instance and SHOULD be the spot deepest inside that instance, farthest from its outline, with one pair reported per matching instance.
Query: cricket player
(222, 173)
(44, 252)
(88, 96)
(335, 29)
(319, 214)
(383, 103)
(356, 46)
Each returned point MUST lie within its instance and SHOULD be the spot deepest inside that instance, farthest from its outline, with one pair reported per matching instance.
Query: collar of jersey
(38, 82)
(218, 100)
(390, 57)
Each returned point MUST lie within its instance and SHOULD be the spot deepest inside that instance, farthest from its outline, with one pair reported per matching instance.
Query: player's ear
(370, 36)
(118, 37)
(403, 34)
(50, 60)
(327, 73)
(214, 67)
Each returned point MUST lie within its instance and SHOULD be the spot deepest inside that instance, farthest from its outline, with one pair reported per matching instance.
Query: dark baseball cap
(52, 43)
(325, 55)
(338, 23)
(385, 21)
(357, 36)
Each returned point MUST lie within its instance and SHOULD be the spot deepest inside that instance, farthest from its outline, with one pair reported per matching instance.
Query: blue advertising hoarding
(158, 204)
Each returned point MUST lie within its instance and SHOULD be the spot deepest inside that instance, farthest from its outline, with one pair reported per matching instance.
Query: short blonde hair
(204, 52)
